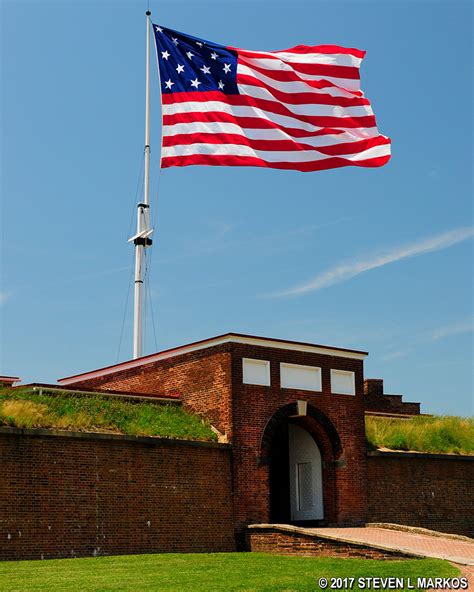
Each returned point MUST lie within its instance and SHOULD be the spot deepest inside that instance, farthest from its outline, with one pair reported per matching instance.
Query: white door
(306, 486)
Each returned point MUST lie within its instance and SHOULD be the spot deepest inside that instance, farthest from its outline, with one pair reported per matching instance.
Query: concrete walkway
(455, 550)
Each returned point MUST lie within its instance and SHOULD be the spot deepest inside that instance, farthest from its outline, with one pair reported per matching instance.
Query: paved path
(455, 550)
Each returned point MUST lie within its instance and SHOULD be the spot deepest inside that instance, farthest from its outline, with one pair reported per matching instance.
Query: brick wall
(377, 400)
(431, 491)
(209, 382)
(200, 378)
(74, 495)
(283, 541)
(344, 474)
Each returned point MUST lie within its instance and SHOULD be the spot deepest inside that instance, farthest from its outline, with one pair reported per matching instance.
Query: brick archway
(272, 454)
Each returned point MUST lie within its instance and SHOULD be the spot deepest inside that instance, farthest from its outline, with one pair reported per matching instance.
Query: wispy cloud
(464, 326)
(345, 271)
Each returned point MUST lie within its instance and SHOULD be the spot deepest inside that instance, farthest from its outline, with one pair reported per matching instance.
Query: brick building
(293, 412)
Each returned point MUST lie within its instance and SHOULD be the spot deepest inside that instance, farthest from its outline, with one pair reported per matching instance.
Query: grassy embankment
(435, 434)
(204, 572)
(25, 408)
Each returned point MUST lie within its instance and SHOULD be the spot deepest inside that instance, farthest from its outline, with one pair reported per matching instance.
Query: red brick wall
(276, 540)
(68, 496)
(431, 491)
(344, 478)
(210, 383)
(377, 400)
(201, 378)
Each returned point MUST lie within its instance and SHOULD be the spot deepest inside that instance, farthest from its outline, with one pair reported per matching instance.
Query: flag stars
(174, 40)
(226, 68)
(165, 55)
(189, 54)
(159, 29)
(221, 85)
(180, 69)
(169, 84)
(199, 43)
(214, 55)
(205, 70)
(195, 83)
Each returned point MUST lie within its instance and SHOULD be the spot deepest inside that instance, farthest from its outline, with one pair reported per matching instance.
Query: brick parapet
(87, 495)
(431, 491)
(378, 401)
(288, 541)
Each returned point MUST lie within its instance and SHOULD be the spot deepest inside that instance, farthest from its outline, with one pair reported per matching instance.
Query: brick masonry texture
(209, 382)
(377, 400)
(281, 543)
(435, 492)
(85, 495)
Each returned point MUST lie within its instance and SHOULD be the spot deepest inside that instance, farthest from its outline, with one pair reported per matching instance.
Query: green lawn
(25, 408)
(204, 572)
(435, 434)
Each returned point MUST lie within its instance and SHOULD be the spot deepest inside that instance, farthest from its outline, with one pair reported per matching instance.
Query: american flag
(299, 108)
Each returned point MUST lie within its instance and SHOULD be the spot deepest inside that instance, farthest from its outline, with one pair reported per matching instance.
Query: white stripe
(216, 127)
(258, 92)
(242, 111)
(238, 111)
(330, 59)
(347, 83)
(293, 87)
(268, 156)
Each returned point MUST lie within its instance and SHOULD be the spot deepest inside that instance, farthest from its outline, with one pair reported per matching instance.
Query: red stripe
(329, 163)
(244, 122)
(348, 72)
(292, 76)
(277, 108)
(272, 145)
(300, 98)
(303, 49)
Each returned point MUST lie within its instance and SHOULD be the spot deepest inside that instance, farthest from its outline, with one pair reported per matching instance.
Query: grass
(435, 434)
(204, 572)
(25, 408)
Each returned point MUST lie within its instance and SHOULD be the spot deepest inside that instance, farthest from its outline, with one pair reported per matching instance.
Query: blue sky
(377, 259)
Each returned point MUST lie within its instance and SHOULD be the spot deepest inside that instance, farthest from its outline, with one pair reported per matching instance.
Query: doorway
(296, 486)
(305, 476)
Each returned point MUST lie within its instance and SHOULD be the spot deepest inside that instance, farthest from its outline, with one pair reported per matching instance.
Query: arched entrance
(300, 452)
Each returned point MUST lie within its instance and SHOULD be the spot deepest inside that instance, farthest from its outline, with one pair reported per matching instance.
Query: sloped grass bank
(433, 434)
(25, 408)
(204, 572)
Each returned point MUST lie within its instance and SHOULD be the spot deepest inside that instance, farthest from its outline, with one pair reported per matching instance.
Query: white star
(205, 70)
(165, 55)
(195, 83)
(226, 68)
(221, 85)
(214, 55)
(180, 69)
(169, 84)
(174, 40)
(189, 54)
(199, 43)
(159, 29)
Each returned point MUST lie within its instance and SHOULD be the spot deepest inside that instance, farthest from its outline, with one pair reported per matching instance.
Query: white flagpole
(141, 238)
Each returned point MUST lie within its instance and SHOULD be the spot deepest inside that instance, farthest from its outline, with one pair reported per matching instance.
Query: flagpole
(141, 238)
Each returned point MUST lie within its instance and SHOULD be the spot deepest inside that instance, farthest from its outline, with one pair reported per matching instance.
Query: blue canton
(190, 64)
